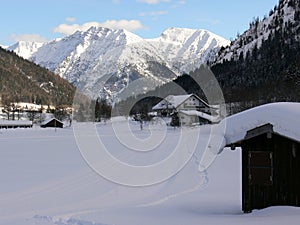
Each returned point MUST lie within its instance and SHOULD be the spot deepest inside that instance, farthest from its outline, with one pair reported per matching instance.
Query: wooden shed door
(260, 168)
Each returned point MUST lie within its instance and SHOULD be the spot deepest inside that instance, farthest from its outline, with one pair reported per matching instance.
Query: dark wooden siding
(270, 172)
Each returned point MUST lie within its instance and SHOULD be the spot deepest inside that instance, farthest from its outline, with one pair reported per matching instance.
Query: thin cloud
(153, 1)
(71, 19)
(153, 13)
(178, 3)
(28, 37)
(130, 25)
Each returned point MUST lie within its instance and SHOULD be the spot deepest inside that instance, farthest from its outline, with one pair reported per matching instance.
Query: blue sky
(41, 20)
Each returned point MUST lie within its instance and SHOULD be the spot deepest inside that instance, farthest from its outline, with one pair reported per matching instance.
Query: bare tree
(32, 115)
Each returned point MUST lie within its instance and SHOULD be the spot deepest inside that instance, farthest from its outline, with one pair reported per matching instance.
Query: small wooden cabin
(270, 169)
(52, 123)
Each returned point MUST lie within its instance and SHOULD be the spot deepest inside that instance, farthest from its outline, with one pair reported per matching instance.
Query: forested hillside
(263, 64)
(22, 80)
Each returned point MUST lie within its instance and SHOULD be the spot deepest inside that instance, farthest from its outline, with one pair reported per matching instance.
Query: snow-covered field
(45, 180)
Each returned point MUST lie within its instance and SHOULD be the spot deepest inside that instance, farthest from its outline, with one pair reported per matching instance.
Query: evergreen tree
(175, 121)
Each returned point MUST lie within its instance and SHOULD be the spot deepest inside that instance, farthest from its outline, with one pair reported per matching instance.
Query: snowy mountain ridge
(104, 61)
(25, 49)
(179, 45)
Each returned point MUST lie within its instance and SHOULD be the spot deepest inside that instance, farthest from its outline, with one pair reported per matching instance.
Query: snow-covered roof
(173, 101)
(283, 116)
(50, 119)
(200, 114)
(15, 122)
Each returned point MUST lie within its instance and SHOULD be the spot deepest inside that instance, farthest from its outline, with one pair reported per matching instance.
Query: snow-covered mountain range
(103, 61)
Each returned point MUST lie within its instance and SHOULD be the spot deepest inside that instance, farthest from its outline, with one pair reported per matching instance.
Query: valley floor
(45, 180)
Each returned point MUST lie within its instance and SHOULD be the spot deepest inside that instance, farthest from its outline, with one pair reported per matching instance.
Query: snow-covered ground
(45, 180)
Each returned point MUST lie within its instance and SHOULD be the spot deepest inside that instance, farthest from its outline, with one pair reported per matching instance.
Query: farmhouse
(189, 108)
(269, 137)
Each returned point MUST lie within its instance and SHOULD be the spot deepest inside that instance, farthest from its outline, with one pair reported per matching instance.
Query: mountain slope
(102, 61)
(263, 64)
(186, 49)
(280, 18)
(22, 80)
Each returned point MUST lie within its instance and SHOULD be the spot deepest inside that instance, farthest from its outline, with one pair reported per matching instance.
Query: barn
(53, 122)
(269, 138)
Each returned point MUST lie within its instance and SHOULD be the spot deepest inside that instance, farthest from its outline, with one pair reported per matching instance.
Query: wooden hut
(270, 169)
(52, 123)
(269, 137)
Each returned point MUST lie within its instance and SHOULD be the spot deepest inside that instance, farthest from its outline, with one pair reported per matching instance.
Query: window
(260, 168)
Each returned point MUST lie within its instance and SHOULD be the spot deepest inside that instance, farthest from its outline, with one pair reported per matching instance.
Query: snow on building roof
(283, 116)
(15, 122)
(49, 120)
(200, 114)
(173, 101)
